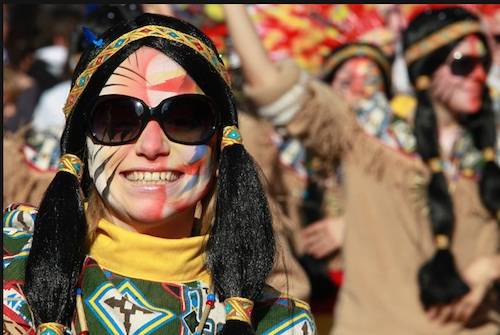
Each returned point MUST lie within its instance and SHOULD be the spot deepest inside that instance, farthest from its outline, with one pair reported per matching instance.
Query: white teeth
(153, 177)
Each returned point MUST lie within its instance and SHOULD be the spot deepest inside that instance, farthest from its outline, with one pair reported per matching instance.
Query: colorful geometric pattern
(301, 323)
(71, 164)
(239, 309)
(440, 38)
(126, 310)
(142, 32)
(20, 216)
(51, 328)
(231, 135)
(114, 304)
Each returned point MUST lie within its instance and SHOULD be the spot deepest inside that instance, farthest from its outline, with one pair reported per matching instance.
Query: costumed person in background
(314, 196)
(409, 242)
(157, 219)
(448, 59)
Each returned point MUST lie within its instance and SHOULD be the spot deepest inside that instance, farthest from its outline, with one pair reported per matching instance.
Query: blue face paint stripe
(199, 152)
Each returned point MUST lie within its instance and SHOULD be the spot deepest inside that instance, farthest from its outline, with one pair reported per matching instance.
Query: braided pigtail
(241, 246)
(438, 278)
(483, 130)
(58, 249)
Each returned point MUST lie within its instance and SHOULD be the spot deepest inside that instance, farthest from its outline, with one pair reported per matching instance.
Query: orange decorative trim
(440, 38)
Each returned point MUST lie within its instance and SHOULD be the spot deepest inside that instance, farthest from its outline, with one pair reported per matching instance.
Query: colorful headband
(353, 51)
(71, 164)
(51, 328)
(142, 32)
(239, 309)
(440, 38)
(230, 135)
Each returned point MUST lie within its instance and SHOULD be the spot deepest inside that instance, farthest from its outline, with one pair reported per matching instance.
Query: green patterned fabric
(114, 304)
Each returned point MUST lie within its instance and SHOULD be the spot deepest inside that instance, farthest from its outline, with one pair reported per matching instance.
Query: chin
(466, 106)
(470, 110)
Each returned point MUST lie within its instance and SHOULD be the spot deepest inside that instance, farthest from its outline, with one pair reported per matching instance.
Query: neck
(177, 225)
(448, 128)
(444, 116)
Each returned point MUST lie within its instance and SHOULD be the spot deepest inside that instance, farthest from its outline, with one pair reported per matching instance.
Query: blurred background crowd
(42, 44)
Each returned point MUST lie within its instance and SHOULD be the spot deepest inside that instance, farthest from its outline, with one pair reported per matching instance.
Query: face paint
(153, 179)
(358, 79)
(461, 94)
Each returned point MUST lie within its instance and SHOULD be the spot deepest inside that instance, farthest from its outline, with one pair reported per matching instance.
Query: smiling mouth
(156, 177)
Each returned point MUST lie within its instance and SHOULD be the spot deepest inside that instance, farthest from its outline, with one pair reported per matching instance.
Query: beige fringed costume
(388, 234)
(287, 275)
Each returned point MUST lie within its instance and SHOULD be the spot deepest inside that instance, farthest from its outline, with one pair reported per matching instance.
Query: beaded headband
(440, 38)
(136, 34)
(353, 51)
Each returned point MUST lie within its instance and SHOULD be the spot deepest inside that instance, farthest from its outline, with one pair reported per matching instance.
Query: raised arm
(257, 67)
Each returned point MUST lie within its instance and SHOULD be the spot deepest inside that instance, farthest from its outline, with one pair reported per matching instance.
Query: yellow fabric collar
(147, 257)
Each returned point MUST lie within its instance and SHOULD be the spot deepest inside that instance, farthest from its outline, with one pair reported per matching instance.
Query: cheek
(103, 163)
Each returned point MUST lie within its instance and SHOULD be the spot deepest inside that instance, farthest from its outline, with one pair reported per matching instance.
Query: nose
(479, 73)
(152, 142)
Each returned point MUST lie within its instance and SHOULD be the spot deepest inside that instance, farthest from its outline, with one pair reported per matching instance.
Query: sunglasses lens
(463, 66)
(116, 120)
(189, 118)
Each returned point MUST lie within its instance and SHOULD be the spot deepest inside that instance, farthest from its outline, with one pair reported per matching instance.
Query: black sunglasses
(463, 65)
(120, 119)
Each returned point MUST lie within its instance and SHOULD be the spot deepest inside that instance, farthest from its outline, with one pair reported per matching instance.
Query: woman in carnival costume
(421, 237)
(361, 72)
(156, 221)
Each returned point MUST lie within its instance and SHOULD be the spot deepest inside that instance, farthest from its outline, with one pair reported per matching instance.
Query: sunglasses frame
(152, 113)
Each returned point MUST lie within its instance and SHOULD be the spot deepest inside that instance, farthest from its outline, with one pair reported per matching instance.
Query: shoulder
(276, 313)
(17, 235)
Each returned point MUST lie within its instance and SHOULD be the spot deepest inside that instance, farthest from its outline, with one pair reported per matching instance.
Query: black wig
(438, 278)
(241, 245)
(348, 51)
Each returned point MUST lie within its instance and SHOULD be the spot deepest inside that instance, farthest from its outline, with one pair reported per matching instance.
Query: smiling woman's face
(152, 180)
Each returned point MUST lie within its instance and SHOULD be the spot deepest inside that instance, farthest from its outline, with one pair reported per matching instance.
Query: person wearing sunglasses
(157, 221)
(421, 221)
(448, 60)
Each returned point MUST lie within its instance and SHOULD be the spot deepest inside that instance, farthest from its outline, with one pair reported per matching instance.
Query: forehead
(150, 75)
(472, 45)
(358, 66)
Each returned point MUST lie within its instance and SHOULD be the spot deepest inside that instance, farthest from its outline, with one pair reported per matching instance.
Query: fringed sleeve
(308, 110)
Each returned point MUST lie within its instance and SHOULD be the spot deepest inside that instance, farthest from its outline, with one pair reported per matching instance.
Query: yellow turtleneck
(141, 256)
